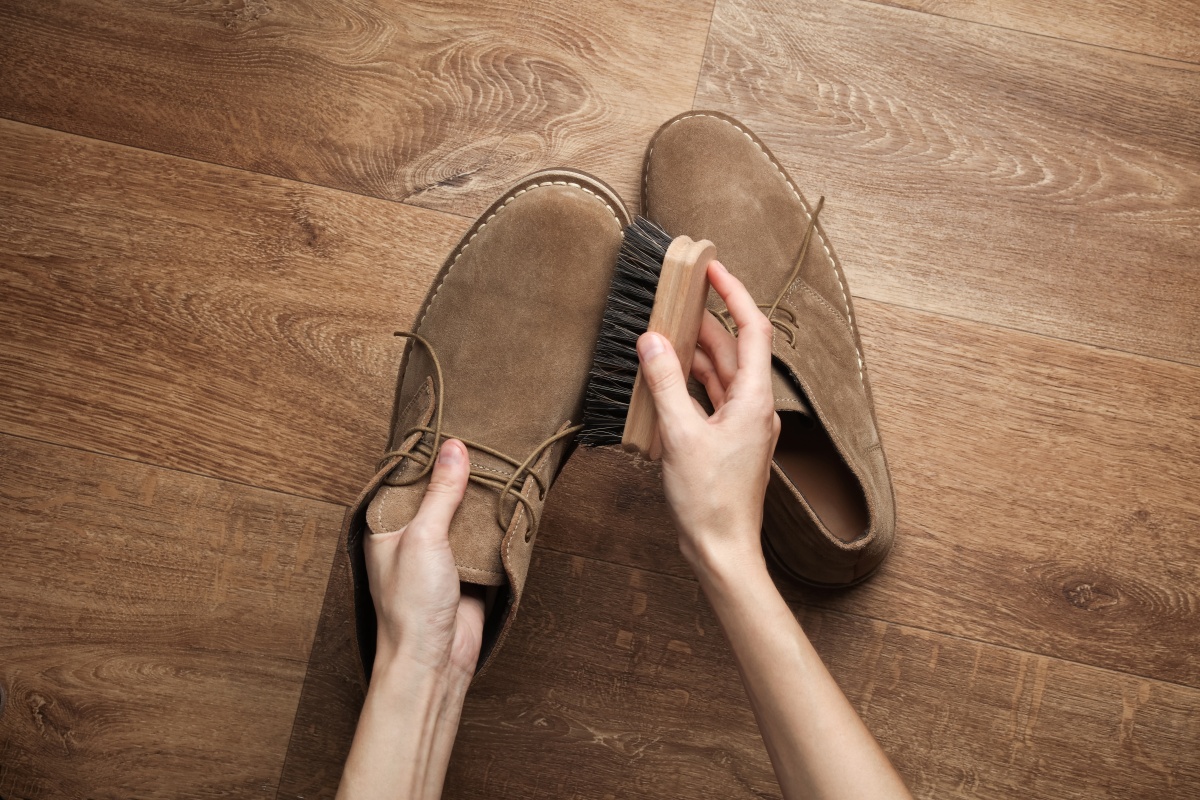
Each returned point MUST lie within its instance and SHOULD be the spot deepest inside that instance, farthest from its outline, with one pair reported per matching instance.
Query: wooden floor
(214, 214)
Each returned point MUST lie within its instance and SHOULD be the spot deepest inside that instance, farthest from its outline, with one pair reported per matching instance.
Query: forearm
(817, 743)
(405, 733)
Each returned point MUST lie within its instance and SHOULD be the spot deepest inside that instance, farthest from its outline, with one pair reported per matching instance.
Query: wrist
(412, 677)
(414, 650)
(724, 558)
(406, 729)
(732, 574)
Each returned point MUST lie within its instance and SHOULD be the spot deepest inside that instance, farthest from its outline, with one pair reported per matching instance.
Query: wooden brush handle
(678, 308)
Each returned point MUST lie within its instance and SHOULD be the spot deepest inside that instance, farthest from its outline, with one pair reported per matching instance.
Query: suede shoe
(499, 358)
(829, 516)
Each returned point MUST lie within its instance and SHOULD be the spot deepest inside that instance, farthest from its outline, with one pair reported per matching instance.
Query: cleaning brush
(660, 284)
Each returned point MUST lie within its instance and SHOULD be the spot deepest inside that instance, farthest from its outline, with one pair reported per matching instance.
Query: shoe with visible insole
(499, 358)
(829, 517)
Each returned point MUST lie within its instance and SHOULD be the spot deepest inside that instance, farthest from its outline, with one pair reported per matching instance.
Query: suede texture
(512, 318)
(707, 176)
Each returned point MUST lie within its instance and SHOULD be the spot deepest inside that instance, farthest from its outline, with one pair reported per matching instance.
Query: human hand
(715, 468)
(424, 616)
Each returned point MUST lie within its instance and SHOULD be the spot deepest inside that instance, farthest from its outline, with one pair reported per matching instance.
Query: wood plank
(440, 104)
(1046, 496)
(616, 682)
(982, 173)
(155, 628)
(201, 318)
(1165, 28)
(89, 721)
(332, 697)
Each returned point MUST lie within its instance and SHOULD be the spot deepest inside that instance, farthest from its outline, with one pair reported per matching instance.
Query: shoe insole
(807, 456)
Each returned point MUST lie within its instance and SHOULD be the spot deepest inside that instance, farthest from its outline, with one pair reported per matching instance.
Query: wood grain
(1046, 496)
(201, 318)
(332, 696)
(1165, 28)
(440, 104)
(155, 629)
(981, 173)
(165, 319)
(616, 682)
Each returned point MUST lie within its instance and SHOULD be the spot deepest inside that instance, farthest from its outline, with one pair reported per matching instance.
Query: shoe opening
(808, 457)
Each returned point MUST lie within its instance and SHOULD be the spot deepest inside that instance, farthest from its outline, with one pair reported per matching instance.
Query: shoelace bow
(788, 326)
(424, 453)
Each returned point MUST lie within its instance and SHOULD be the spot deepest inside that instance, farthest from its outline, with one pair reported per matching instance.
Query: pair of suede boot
(500, 354)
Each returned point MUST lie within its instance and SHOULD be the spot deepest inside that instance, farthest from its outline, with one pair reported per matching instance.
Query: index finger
(754, 329)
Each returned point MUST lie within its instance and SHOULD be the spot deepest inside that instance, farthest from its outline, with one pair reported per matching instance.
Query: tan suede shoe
(500, 360)
(829, 517)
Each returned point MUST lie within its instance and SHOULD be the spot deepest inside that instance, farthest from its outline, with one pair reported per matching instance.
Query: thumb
(447, 485)
(663, 375)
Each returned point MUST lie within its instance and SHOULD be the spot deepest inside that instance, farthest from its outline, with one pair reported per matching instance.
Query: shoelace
(424, 453)
(788, 327)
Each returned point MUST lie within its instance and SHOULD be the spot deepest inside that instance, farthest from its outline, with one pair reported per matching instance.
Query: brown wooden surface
(1030, 183)
(202, 318)
(1165, 28)
(440, 104)
(332, 696)
(156, 626)
(196, 357)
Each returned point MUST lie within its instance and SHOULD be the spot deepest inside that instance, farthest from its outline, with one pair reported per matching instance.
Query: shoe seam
(479, 226)
(817, 408)
(424, 392)
(795, 193)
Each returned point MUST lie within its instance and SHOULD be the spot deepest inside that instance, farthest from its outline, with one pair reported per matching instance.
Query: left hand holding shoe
(423, 614)
(430, 630)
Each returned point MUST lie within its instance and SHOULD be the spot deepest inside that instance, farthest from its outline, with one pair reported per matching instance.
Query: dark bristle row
(626, 316)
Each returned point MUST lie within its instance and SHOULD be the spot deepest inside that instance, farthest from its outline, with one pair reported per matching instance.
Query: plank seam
(1023, 32)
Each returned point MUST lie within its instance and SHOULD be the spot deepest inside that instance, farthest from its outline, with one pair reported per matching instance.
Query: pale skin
(715, 470)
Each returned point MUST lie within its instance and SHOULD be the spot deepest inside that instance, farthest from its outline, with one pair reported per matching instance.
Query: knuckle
(662, 380)
(761, 410)
(442, 487)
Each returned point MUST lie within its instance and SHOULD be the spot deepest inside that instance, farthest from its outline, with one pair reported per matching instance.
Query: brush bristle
(626, 316)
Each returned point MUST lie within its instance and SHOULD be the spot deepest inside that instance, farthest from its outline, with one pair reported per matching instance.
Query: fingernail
(720, 266)
(449, 454)
(650, 346)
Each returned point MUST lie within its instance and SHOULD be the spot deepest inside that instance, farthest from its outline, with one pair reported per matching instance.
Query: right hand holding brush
(715, 468)
(715, 472)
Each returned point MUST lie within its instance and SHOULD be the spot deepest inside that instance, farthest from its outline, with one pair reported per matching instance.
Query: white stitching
(491, 469)
(503, 205)
(807, 213)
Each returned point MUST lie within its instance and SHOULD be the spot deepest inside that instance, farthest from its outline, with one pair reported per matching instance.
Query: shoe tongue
(788, 396)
